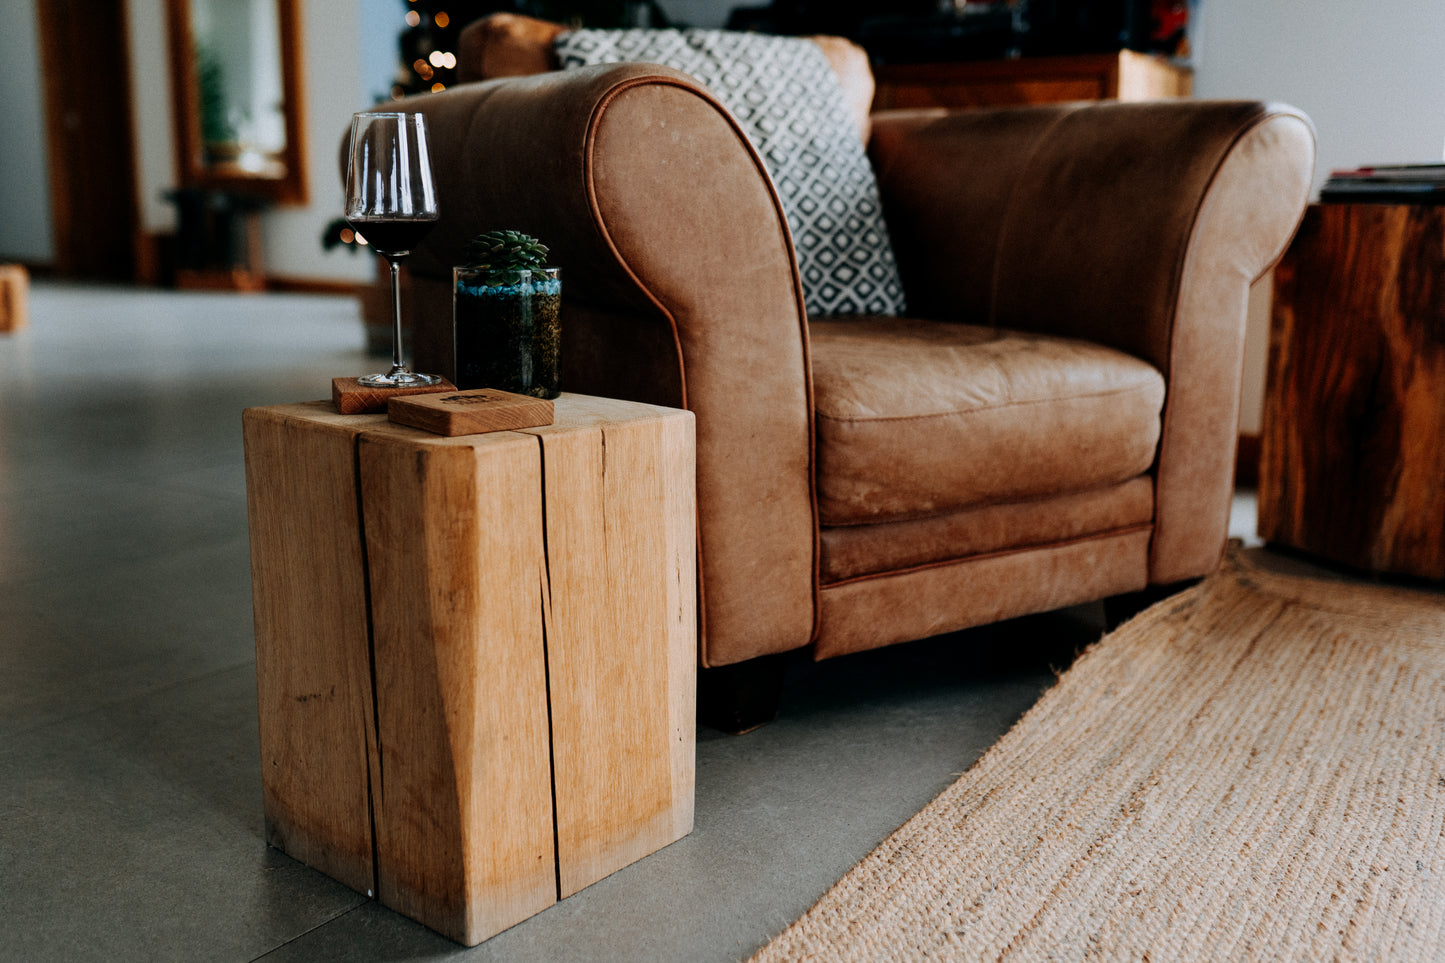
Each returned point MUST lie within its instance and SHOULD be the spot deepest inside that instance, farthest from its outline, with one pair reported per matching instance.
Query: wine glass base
(399, 379)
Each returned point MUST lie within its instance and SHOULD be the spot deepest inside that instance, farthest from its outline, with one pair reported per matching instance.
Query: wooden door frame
(65, 220)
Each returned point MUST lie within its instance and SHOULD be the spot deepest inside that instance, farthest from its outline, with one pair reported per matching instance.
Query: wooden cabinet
(1353, 459)
(1125, 75)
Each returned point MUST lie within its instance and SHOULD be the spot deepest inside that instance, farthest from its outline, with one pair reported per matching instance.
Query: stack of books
(1390, 184)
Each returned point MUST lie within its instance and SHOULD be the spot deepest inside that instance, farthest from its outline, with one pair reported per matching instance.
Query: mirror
(235, 72)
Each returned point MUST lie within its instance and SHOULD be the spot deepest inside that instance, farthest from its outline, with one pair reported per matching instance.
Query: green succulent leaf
(506, 251)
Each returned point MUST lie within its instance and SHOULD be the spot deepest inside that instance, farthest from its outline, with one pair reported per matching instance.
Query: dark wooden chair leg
(1119, 609)
(739, 698)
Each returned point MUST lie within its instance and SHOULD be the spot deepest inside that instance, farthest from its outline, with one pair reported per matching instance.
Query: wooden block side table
(313, 669)
(1352, 465)
(618, 657)
(475, 655)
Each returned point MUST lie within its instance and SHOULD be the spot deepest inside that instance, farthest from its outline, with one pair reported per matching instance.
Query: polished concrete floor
(130, 805)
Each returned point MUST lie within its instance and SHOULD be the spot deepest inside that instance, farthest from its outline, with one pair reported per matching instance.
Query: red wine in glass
(391, 201)
(392, 236)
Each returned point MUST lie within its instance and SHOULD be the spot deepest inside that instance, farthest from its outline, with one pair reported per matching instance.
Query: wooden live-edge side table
(475, 656)
(1352, 465)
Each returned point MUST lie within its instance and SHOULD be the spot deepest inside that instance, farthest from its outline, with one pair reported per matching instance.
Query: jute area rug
(1253, 770)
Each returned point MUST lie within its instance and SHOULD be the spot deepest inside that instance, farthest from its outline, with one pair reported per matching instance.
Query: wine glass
(391, 202)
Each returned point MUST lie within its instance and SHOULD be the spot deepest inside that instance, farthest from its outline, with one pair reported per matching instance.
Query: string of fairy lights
(431, 28)
(428, 45)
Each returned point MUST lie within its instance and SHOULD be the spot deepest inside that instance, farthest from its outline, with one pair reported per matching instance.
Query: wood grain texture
(621, 631)
(513, 716)
(471, 412)
(462, 795)
(313, 674)
(1353, 448)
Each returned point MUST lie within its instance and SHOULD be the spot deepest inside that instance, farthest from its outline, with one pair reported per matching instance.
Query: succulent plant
(506, 251)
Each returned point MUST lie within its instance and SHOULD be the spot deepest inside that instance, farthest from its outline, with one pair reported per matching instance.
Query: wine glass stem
(395, 264)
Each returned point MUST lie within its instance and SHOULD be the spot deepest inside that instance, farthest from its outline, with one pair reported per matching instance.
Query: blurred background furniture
(14, 297)
(218, 240)
(1053, 422)
(1353, 447)
(999, 82)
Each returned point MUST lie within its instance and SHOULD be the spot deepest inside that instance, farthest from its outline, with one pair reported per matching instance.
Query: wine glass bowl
(391, 202)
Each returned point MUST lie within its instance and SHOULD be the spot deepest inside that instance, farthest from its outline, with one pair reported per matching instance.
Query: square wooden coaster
(352, 398)
(470, 412)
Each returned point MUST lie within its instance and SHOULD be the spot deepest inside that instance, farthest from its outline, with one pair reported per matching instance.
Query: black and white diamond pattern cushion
(789, 102)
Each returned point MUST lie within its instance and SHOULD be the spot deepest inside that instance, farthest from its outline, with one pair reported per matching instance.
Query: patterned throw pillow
(789, 102)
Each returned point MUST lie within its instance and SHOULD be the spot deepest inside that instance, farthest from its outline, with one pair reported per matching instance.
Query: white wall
(25, 233)
(349, 58)
(334, 88)
(331, 37)
(1369, 75)
(380, 22)
(150, 89)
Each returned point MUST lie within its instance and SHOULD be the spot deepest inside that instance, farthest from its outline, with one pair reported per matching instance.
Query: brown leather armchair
(1054, 423)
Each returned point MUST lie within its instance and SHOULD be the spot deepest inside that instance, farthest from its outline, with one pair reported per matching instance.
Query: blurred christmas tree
(428, 40)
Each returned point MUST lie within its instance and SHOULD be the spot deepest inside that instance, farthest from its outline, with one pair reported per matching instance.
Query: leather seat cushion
(917, 419)
(857, 551)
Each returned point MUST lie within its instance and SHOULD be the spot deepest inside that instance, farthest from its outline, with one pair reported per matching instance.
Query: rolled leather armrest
(1138, 225)
(679, 288)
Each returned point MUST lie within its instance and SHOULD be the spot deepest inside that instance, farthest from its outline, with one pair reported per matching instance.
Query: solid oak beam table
(475, 656)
